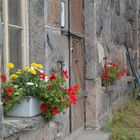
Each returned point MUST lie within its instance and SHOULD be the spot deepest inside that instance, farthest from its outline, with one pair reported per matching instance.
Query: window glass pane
(0, 7)
(1, 13)
(62, 14)
(14, 11)
(2, 61)
(15, 49)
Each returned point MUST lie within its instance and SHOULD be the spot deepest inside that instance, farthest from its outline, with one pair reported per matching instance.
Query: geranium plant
(112, 72)
(32, 81)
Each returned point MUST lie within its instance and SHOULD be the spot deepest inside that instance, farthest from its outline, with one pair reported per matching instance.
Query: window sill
(13, 125)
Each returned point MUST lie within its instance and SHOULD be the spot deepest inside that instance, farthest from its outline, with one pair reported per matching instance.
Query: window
(0, 7)
(14, 21)
(62, 13)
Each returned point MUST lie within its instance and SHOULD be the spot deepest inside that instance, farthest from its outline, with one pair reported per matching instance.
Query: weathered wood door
(77, 77)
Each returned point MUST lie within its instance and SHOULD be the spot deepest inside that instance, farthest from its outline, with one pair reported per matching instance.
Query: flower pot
(29, 107)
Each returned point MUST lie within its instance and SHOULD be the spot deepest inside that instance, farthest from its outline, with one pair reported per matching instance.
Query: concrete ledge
(12, 125)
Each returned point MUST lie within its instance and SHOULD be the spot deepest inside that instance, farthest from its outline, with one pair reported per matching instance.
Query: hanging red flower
(55, 110)
(3, 78)
(9, 90)
(112, 72)
(73, 98)
(43, 107)
(43, 76)
(49, 88)
(53, 77)
(65, 74)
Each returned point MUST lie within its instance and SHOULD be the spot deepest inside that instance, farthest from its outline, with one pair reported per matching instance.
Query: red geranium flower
(114, 65)
(76, 87)
(53, 77)
(43, 107)
(73, 98)
(72, 89)
(123, 71)
(3, 78)
(9, 90)
(65, 74)
(55, 110)
(43, 76)
(49, 87)
(118, 76)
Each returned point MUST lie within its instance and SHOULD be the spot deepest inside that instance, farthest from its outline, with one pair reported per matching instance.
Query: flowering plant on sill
(32, 81)
(112, 72)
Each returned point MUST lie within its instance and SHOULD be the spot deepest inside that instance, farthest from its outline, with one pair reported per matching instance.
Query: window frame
(24, 34)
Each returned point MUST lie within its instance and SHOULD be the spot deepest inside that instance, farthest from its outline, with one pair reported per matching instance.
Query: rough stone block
(89, 18)
(118, 29)
(116, 5)
(90, 104)
(54, 50)
(36, 31)
(91, 58)
(63, 126)
(65, 48)
(130, 35)
(106, 4)
(106, 32)
(99, 19)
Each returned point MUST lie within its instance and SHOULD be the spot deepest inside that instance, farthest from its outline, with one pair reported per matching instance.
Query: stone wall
(109, 27)
(45, 47)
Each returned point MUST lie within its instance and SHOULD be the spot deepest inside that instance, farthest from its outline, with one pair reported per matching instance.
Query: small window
(0, 7)
(14, 19)
(62, 13)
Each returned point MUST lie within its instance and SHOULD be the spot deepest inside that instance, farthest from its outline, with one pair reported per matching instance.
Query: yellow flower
(18, 72)
(13, 76)
(39, 66)
(34, 65)
(33, 72)
(10, 65)
(27, 68)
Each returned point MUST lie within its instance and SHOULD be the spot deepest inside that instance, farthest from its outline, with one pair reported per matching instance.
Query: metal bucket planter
(29, 107)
